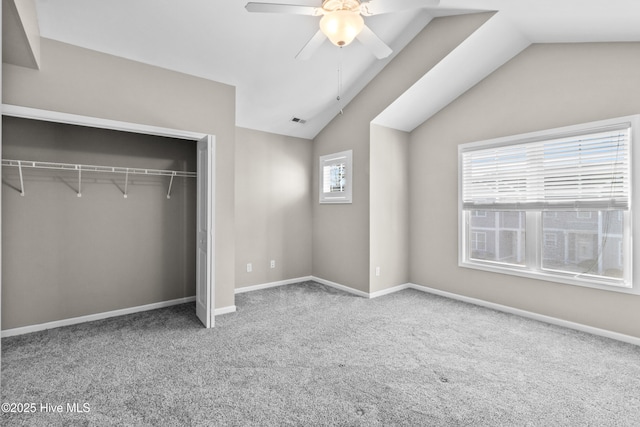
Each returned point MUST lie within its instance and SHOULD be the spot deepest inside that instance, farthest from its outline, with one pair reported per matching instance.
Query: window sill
(567, 279)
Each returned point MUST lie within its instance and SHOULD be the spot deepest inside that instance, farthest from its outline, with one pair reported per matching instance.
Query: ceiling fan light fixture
(341, 26)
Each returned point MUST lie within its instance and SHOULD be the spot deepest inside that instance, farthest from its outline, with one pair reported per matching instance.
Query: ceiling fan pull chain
(339, 98)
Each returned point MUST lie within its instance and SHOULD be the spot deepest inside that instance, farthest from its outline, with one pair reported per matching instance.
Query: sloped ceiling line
(484, 51)
(21, 34)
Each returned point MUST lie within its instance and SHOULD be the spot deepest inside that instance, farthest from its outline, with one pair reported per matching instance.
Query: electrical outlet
(273, 263)
(249, 268)
(377, 271)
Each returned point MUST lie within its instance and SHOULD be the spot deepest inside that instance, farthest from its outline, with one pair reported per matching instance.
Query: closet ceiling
(221, 41)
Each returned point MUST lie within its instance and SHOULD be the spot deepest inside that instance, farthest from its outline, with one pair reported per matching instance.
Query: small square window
(336, 177)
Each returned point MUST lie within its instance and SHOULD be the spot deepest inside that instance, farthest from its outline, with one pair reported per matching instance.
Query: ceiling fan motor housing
(333, 5)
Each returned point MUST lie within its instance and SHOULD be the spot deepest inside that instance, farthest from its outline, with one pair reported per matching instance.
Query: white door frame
(95, 122)
(87, 121)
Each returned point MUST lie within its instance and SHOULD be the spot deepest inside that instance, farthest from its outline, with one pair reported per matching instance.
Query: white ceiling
(221, 41)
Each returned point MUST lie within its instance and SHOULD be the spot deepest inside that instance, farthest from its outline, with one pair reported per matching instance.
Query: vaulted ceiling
(255, 52)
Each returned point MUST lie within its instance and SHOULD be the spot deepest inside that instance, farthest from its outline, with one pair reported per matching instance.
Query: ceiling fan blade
(373, 42)
(312, 45)
(283, 8)
(378, 7)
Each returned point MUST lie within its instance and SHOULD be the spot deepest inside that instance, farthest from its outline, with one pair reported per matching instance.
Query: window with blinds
(554, 204)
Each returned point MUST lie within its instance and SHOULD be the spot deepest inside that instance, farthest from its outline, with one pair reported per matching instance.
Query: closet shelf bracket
(21, 180)
(170, 184)
(126, 183)
(79, 182)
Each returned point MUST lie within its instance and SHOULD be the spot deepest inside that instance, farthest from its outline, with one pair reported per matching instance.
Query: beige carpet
(309, 355)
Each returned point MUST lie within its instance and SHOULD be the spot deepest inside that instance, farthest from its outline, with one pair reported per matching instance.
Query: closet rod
(21, 164)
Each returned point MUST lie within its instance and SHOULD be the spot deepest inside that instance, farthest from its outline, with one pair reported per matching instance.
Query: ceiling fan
(342, 21)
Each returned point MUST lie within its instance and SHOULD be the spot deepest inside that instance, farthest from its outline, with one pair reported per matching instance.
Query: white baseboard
(232, 308)
(530, 315)
(389, 290)
(361, 293)
(224, 310)
(303, 279)
(272, 284)
(341, 287)
(506, 309)
(97, 316)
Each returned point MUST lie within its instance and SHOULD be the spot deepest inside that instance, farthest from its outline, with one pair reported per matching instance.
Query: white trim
(559, 132)
(224, 310)
(389, 290)
(321, 281)
(530, 315)
(340, 287)
(95, 122)
(503, 308)
(232, 308)
(272, 284)
(94, 317)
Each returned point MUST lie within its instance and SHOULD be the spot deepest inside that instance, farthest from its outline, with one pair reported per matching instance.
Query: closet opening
(102, 218)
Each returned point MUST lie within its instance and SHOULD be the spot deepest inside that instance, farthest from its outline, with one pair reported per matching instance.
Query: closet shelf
(20, 164)
(94, 168)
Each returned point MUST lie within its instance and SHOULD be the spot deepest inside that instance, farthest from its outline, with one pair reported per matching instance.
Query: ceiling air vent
(298, 120)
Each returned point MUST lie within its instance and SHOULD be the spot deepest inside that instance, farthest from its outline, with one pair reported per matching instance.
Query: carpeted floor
(309, 355)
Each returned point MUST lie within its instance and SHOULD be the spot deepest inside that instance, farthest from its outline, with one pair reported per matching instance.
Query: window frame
(345, 196)
(534, 235)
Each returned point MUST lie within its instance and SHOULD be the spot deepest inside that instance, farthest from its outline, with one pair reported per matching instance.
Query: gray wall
(389, 217)
(341, 232)
(273, 207)
(79, 81)
(544, 87)
(67, 256)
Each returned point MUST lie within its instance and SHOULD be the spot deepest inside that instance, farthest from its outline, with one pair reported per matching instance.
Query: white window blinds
(589, 170)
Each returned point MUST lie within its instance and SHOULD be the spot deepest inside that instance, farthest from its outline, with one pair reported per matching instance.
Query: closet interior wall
(66, 256)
